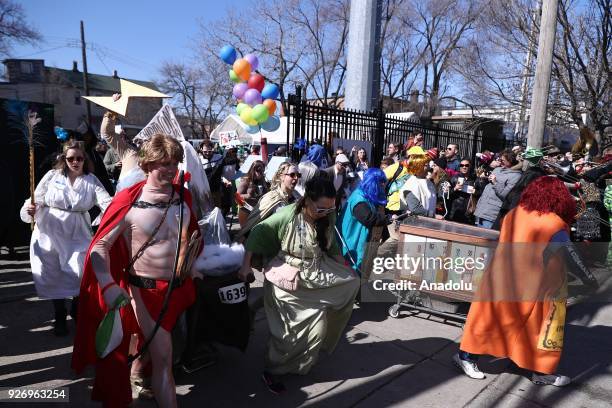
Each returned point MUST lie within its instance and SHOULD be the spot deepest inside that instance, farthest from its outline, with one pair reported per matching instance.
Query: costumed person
(123, 145)
(308, 291)
(133, 255)
(396, 174)
(518, 311)
(317, 155)
(251, 188)
(360, 215)
(418, 194)
(230, 166)
(308, 170)
(211, 162)
(62, 231)
(91, 148)
(281, 194)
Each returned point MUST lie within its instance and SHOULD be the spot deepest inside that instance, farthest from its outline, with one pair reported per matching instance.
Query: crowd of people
(306, 230)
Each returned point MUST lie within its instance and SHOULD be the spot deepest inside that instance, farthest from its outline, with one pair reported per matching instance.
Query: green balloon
(233, 77)
(260, 113)
(240, 107)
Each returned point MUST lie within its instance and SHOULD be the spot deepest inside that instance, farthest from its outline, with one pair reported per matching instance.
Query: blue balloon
(251, 130)
(61, 134)
(270, 91)
(228, 54)
(271, 124)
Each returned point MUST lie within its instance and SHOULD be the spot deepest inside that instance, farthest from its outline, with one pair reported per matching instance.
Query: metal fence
(323, 123)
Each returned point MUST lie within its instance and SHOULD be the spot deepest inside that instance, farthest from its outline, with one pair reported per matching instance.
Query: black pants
(60, 309)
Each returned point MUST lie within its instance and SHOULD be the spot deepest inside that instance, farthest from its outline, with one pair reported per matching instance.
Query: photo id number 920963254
(233, 294)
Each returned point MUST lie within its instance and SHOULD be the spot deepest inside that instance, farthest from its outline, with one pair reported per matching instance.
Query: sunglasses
(464, 165)
(322, 211)
(78, 159)
(293, 175)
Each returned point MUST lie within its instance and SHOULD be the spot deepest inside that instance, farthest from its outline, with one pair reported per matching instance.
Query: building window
(27, 67)
(77, 97)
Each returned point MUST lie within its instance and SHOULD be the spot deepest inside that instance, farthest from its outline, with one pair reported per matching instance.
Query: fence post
(379, 148)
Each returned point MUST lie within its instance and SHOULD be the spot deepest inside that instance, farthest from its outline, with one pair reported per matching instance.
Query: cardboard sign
(128, 90)
(164, 122)
(227, 137)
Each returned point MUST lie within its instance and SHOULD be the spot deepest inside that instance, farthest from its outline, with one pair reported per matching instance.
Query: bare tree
(495, 68)
(198, 91)
(324, 27)
(444, 26)
(402, 51)
(13, 27)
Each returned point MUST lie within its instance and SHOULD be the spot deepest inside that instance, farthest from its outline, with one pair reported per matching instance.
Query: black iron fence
(323, 123)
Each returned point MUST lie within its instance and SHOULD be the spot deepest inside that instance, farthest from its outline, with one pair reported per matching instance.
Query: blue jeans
(481, 222)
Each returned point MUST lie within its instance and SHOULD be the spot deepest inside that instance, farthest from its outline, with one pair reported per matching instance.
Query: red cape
(112, 384)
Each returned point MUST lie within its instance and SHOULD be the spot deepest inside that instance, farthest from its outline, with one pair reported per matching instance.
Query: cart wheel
(394, 311)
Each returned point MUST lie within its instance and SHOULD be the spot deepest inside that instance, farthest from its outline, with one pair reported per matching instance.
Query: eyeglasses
(322, 211)
(293, 175)
(343, 164)
(464, 165)
(78, 159)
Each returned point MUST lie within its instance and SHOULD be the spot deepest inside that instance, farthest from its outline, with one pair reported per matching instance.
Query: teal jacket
(354, 233)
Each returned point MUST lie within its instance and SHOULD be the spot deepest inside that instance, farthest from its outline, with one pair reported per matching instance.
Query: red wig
(549, 195)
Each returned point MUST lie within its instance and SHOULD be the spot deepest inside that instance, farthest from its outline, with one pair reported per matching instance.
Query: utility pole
(193, 111)
(541, 84)
(85, 79)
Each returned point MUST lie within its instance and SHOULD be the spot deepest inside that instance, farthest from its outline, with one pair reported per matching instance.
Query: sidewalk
(381, 362)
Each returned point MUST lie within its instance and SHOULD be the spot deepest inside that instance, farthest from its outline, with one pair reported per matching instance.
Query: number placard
(233, 294)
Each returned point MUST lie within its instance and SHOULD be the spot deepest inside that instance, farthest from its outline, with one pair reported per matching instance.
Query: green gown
(314, 316)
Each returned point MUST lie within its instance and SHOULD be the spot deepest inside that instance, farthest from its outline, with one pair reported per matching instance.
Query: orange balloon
(242, 68)
(271, 105)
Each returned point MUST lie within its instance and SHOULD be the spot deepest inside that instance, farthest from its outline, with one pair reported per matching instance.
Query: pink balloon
(253, 60)
(239, 90)
(252, 97)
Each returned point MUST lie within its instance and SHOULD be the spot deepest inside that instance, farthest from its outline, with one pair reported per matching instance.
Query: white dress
(63, 231)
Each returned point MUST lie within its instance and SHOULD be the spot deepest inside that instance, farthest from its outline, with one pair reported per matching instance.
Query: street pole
(85, 80)
(193, 112)
(541, 84)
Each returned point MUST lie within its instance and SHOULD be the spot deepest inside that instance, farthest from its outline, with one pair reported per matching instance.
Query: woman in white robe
(62, 231)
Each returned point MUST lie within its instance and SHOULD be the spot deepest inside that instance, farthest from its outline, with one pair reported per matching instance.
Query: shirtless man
(149, 205)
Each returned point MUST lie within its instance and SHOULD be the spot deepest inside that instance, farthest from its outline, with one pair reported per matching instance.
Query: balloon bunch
(256, 100)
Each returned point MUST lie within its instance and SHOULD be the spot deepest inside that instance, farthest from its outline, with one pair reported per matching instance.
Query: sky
(133, 37)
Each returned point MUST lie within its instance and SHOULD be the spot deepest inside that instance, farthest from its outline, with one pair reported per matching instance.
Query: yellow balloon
(247, 116)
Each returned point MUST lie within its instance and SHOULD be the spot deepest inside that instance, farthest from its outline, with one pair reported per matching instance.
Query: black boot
(59, 326)
(74, 307)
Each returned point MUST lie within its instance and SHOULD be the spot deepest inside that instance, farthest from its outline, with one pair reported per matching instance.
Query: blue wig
(316, 154)
(373, 186)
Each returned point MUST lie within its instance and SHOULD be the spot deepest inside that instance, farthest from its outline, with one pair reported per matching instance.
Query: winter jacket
(493, 195)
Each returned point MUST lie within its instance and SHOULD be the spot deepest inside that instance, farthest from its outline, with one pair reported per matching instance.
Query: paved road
(381, 362)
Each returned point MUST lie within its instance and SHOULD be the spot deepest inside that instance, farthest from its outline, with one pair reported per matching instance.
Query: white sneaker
(550, 379)
(468, 367)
